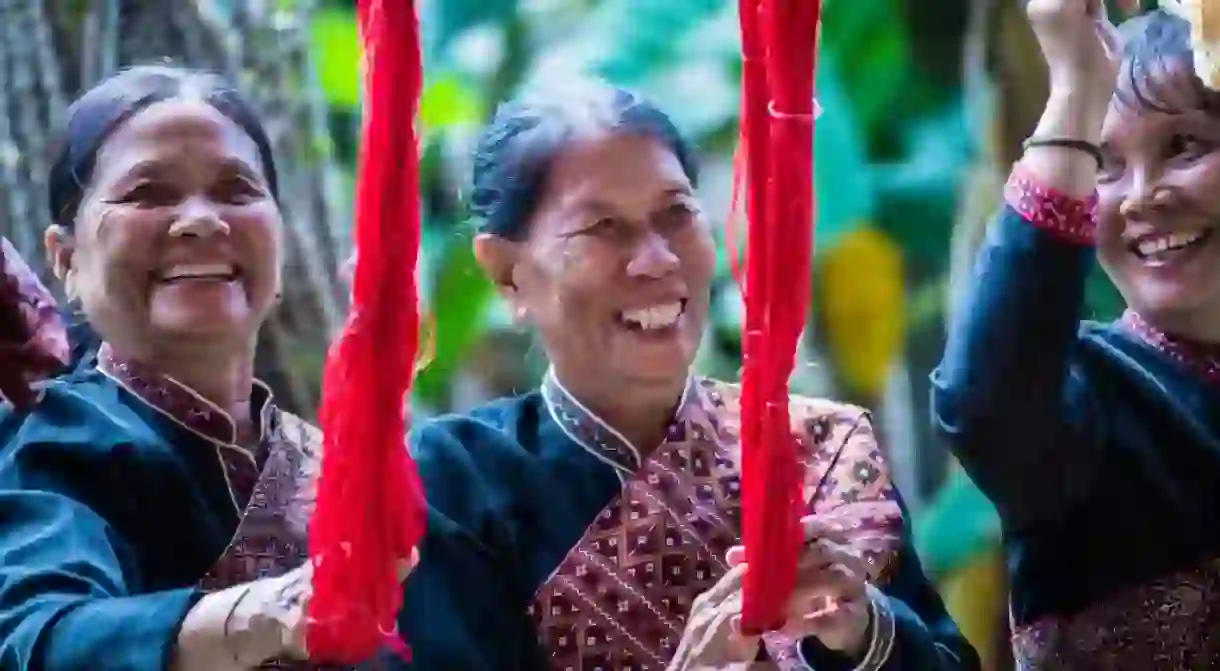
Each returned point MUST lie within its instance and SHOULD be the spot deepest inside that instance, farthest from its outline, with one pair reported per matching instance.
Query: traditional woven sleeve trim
(1068, 218)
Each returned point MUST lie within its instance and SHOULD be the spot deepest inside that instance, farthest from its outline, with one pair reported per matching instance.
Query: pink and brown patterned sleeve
(848, 479)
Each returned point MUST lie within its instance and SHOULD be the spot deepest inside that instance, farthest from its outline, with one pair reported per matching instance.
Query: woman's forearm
(1071, 115)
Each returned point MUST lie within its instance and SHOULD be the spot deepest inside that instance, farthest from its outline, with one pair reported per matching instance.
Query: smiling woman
(1099, 444)
(591, 523)
(175, 242)
(155, 503)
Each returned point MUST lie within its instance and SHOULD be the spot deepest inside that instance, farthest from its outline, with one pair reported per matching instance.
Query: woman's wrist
(1069, 115)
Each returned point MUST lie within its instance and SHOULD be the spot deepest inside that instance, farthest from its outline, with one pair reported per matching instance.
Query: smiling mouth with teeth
(222, 272)
(654, 317)
(1162, 246)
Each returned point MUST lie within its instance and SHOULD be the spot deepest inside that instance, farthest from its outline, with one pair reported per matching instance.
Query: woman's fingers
(405, 566)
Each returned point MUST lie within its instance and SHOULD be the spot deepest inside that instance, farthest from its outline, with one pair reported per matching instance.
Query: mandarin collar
(1201, 358)
(601, 439)
(182, 404)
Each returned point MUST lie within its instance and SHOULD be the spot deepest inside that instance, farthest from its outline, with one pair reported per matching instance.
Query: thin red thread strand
(369, 506)
(779, 239)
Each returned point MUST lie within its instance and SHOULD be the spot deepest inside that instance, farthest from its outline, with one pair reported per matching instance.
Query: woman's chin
(196, 325)
(1176, 311)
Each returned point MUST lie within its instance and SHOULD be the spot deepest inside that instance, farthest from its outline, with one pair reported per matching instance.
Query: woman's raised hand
(1081, 46)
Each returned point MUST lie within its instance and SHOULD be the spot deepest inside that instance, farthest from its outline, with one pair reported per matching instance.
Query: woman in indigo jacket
(1100, 443)
(591, 523)
(154, 497)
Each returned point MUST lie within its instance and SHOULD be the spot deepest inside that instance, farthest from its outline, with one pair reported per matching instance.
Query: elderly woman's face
(617, 270)
(178, 236)
(1157, 207)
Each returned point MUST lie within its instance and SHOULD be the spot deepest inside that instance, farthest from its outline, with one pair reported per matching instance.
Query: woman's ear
(498, 258)
(60, 247)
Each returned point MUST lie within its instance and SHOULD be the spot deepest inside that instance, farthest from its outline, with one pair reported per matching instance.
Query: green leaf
(844, 187)
(869, 42)
(1102, 299)
(958, 523)
(460, 297)
(336, 42)
(918, 196)
(448, 101)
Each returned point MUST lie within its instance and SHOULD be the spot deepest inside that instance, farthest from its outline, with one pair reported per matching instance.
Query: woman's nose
(1145, 197)
(653, 258)
(198, 219)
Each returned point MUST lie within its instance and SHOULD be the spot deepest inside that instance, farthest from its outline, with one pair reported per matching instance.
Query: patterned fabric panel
(621, 597)
(1169, 624)
(1068, 218)
(271, 538)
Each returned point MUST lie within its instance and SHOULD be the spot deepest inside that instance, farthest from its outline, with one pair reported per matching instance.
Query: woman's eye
(151, 194)
(238, 191)
(678, 214)
(603, 226)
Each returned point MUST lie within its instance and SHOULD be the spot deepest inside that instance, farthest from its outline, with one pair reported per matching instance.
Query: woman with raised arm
(591, 523)
(1100, 443)
(154, 503)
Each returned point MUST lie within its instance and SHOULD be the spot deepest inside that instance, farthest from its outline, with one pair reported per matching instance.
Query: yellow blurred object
(1204, 18)
(975, 598)
(862, 300)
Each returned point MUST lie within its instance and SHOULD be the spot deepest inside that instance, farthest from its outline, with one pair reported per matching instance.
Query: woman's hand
(282, 604)
(830, 602)
(831, 599)
(712, 638)
(1082, 48)
(239, 628)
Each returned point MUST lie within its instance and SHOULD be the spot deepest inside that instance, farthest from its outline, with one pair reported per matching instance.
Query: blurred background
(926, 102)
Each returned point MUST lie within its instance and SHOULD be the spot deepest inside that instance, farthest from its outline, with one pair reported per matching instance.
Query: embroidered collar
(602, 440)
(183, 405)
(1200, 357)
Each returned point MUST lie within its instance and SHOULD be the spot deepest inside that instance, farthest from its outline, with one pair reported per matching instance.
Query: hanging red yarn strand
(775, 165)
(370, 508)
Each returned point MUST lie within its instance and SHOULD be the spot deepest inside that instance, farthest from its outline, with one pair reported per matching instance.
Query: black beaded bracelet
(1067, 143)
